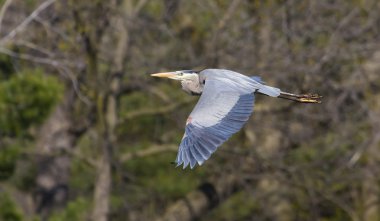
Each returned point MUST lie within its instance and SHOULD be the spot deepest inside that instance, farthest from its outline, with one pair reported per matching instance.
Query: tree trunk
(370, 189)
(104, 181)
(103, 185)
(57, 135)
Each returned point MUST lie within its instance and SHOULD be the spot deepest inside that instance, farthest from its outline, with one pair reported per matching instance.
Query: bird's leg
(302, 98)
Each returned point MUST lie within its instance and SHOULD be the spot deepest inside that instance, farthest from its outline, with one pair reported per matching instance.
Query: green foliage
(76, 210)
(8, 157)
(24, 176)
(8, 209)
(142, 128)
(154, 8)
(156, 182)
(31, 3)
(5, 67)
(82, 176)
(26, 99)
(238, 207)
(157, 174)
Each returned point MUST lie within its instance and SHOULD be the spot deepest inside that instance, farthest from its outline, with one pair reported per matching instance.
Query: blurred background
(87, 134)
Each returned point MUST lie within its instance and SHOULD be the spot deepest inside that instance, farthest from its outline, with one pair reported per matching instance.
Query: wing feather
(221, 111)
(187, 159)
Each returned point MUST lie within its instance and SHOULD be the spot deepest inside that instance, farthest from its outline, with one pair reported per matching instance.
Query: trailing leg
(302, 98)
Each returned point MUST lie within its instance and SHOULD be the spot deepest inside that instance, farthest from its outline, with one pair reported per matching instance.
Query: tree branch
(152, 111)
(26, 22)
(35, 59)
(147, 152)
(3, 10)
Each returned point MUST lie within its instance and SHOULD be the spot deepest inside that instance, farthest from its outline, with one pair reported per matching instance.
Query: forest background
(87, 134)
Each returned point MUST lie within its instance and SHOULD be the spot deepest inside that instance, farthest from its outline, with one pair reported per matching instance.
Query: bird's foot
(302, 98)
(310, 98)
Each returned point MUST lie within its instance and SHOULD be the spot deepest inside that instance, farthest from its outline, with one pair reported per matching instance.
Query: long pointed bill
(164, 75)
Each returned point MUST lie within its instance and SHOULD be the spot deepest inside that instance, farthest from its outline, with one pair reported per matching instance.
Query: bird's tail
(270, 91)
(265, 89)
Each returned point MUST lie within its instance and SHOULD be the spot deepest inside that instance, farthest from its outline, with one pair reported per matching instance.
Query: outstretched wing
(221, 111)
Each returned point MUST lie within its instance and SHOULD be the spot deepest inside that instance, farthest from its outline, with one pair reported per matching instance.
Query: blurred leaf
(8, 209)
(76, 210)
(26, 99)
(8, 157)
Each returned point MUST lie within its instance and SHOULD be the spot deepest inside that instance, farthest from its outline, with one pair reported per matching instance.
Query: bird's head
(189, 80)
(178, 75)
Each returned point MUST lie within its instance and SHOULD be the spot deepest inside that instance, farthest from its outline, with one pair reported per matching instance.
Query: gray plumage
(226, 102)
(225, 105)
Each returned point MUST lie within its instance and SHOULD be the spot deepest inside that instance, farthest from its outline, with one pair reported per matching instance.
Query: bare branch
(159, 93)
(21, 27)
(150, 151)
(54, 63)
(3, 10)
(59, 65)
(231, 9)
(77, 155)
(49, 27)
(33, 46)
(74, 81)
(151, 111)
(139, 6)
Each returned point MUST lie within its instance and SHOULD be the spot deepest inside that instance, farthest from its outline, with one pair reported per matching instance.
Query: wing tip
(192, 166)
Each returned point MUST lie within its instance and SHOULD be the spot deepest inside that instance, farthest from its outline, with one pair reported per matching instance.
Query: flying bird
(225, 104)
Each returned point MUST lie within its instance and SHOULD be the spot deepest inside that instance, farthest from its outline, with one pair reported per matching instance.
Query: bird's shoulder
(228, 80)
(218, 72)
(224, 74)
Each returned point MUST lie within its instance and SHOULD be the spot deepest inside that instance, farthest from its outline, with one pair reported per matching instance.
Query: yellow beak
(164, 75)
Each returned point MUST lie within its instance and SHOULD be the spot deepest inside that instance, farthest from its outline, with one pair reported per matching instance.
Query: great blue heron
(226, 102)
